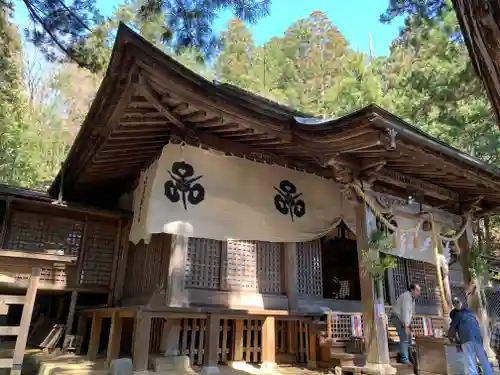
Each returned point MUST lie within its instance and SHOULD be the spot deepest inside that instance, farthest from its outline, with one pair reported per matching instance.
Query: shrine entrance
(339, 256)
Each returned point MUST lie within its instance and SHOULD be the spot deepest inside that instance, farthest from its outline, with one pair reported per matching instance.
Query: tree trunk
(480, 24)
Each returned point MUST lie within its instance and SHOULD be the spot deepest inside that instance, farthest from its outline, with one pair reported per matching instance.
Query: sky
(355, 19)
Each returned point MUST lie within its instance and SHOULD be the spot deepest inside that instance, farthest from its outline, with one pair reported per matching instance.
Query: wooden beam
(150, 94)
(12, 300)
(10, 331)
(240, 149)
(216, 104)
(39, 257)
(22, 336)
(5, 221)
(6, 362)
(414, 184)
(443, 163)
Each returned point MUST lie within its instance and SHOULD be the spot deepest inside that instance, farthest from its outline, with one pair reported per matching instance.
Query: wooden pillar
(22, 336)
(210, 358)
(116, 258)
(291, 336)
(290, 275)
(174, 295)
(115, 336)
(375, 328)
(5, 223)
(170, 338)
(268, 344)
(313, 342)
(142, 330)
(95, 336)
(81, 329)
(122, 264)
(238, 340)
(71, 313)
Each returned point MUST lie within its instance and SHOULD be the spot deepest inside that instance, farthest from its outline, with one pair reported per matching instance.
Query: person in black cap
(465, 324)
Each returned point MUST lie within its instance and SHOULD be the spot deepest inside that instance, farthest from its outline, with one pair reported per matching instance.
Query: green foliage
(478, 263)
(374, 262)
(68, 30)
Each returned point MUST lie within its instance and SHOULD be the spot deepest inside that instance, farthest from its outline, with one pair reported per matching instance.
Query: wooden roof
(147, 99)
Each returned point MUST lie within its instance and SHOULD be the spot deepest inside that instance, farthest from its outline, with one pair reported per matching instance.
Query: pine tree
(61, 29)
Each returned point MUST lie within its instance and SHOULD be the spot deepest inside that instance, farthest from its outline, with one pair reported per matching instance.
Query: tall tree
(235, 64)
(61, 28)
(432, 82)
(13, 103)
(480, 26)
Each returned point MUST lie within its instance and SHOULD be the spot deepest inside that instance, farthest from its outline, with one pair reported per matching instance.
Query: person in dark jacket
(465, 324)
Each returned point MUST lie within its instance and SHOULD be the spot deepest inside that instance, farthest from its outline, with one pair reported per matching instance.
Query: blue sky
(354, 18)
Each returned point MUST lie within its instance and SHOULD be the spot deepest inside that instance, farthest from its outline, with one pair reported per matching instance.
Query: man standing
(469, 333)
(402, 314)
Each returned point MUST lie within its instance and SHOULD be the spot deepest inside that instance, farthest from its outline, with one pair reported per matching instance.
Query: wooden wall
(86, 244)
(147, 269)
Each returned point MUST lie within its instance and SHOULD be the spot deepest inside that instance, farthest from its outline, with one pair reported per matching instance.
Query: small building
(194, 219)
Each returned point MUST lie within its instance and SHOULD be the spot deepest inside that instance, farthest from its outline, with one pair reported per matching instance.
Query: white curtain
(199, 193)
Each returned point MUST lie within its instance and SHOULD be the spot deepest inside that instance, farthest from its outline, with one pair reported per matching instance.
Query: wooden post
(210, 358)
(6, 220)
(95, 336)
(122, 264)
(290, 272)
(313, 342)
(238, 340)
(81, 329)
(174, 295)
(114, 269)
(71, 313)
(375, 328)
(291, 336)
(22, 337)
(115, 335)
(142, 330)
(268, 345)
(170, 338)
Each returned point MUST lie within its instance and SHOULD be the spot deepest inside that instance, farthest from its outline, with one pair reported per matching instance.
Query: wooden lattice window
(42, 233)
(411, 271)
(399, 277)
(98, 256)
(239, 272)
(309, 276)
(203, 263)
(268, 267)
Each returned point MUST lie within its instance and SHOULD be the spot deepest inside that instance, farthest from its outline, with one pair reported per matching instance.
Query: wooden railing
(28, 301)
(341, 326)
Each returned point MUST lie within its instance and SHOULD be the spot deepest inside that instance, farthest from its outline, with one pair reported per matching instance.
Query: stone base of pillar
(379, 369)
(172, 364)
(236, 364)
(312, 364)
(268, 366)
(210, 370)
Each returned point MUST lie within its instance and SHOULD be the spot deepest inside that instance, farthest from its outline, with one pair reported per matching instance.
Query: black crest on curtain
(287, 200)
(183, 185)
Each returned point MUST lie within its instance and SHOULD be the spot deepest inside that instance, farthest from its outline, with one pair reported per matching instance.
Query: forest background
(427, 79)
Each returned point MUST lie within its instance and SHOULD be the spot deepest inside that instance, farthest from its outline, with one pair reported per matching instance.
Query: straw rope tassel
(435, 244)
(415, 240)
